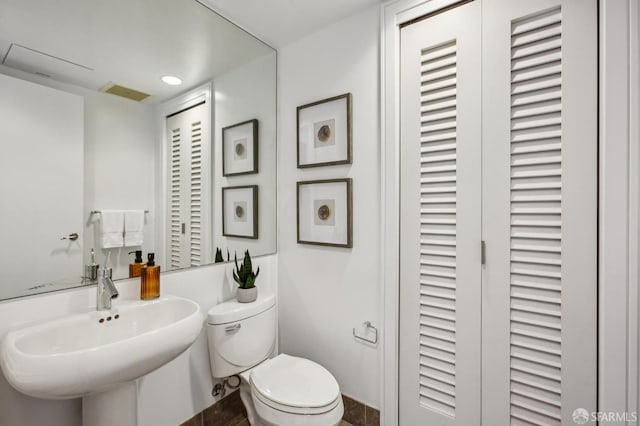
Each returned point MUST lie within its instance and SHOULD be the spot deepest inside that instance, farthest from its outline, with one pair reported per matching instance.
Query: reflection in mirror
(113, 139)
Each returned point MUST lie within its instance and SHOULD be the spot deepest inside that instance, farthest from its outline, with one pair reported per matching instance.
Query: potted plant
(219, 257)
(246, 279)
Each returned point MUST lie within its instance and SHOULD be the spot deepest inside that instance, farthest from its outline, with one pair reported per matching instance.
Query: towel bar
(100, 211)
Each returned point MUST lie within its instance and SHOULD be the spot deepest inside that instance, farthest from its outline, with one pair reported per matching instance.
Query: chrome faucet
(106, 290)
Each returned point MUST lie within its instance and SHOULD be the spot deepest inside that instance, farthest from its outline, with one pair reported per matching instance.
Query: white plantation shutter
(190, 171)
(539, 330)
(438, 229)
(440, 193)
(536, 218)
(498, 143)
(195, 249)
(175, 248)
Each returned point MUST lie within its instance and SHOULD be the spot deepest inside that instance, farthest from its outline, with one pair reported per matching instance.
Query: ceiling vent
(125, 92)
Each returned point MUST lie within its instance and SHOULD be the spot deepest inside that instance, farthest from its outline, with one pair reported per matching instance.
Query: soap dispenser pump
(150, 279)
(135, 268)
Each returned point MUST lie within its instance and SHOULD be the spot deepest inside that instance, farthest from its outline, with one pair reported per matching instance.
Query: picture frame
(324, 132)
(324, 212)
(240, 148)
(240, 211)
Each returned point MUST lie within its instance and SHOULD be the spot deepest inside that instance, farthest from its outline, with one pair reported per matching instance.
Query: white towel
(112, 228)
(133, 228)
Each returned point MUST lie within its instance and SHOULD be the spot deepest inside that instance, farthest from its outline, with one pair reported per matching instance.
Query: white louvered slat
(536, 219)
(195, 249)
(175, 219)
(437, 381)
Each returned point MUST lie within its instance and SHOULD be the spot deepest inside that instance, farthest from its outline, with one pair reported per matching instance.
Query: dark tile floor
(231, 412)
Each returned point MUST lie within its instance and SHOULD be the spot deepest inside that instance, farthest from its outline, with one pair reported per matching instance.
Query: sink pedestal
(82, 354)
(117, 406)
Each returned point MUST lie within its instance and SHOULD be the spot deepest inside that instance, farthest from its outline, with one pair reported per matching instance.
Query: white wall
(120, 155)
(325, 292)
(119, 164)
(246, 93)
(166, 397)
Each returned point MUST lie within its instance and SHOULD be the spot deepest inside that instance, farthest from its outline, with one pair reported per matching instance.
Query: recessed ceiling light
(171, 80)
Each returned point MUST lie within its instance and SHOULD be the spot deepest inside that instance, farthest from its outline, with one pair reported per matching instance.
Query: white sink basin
(92, 352)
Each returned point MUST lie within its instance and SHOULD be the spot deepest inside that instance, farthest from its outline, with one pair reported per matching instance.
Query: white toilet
(282, 391)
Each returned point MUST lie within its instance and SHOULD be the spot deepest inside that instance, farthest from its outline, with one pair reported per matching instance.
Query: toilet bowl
(289, 390)
(281, 391)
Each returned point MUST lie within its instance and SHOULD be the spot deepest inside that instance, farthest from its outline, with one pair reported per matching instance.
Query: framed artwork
(324, 132)
(324, 212)
(240, 148)
(240, 211)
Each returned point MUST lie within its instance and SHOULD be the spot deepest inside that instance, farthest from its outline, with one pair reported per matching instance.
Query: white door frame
(619, 165)
(619, 200)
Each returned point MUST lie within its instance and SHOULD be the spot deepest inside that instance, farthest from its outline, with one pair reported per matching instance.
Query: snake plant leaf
(250, 281)
(240, 270)
(236, 278)
(258, 272)
(248, 268)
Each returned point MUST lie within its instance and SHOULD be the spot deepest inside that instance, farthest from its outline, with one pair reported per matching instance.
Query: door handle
(73, 236)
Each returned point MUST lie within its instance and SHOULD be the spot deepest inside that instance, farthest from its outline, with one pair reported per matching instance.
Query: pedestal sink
(98, 355)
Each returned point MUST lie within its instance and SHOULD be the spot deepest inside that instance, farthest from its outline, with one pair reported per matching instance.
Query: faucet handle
(106, 273)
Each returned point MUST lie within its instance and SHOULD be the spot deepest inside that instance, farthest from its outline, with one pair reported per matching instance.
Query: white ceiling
(280, 22)
(92, 43)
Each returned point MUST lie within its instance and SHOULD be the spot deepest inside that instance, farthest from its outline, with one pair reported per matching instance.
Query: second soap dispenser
(150, 279)
(135, 268)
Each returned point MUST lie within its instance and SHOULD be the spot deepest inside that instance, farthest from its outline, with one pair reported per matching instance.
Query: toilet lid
(295, 382)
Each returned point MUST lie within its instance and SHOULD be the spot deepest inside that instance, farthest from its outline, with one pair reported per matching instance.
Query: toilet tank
(240, 335)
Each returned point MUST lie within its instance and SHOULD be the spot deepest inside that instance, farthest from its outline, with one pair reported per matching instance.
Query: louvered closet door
(188, 171)
(539, 207)
(440, 226)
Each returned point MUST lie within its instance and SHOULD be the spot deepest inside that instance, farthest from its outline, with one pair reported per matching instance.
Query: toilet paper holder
(369, 327)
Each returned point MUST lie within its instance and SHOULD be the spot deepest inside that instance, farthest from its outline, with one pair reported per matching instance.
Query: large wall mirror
(130, 125)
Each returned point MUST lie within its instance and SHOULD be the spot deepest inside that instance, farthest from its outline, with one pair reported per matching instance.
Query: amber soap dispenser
(150, 279)
(135, 268)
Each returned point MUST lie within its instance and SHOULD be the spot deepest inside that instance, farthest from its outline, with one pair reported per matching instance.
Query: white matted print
(324, 212)
(240, 211)
(324, 132)
(240, 148)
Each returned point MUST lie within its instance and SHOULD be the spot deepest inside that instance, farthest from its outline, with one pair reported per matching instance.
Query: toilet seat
(295, 385)
(292, 409)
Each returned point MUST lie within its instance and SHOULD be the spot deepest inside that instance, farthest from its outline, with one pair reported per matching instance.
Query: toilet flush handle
(232, 328)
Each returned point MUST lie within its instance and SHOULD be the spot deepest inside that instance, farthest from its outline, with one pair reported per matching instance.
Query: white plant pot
(247, 295)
